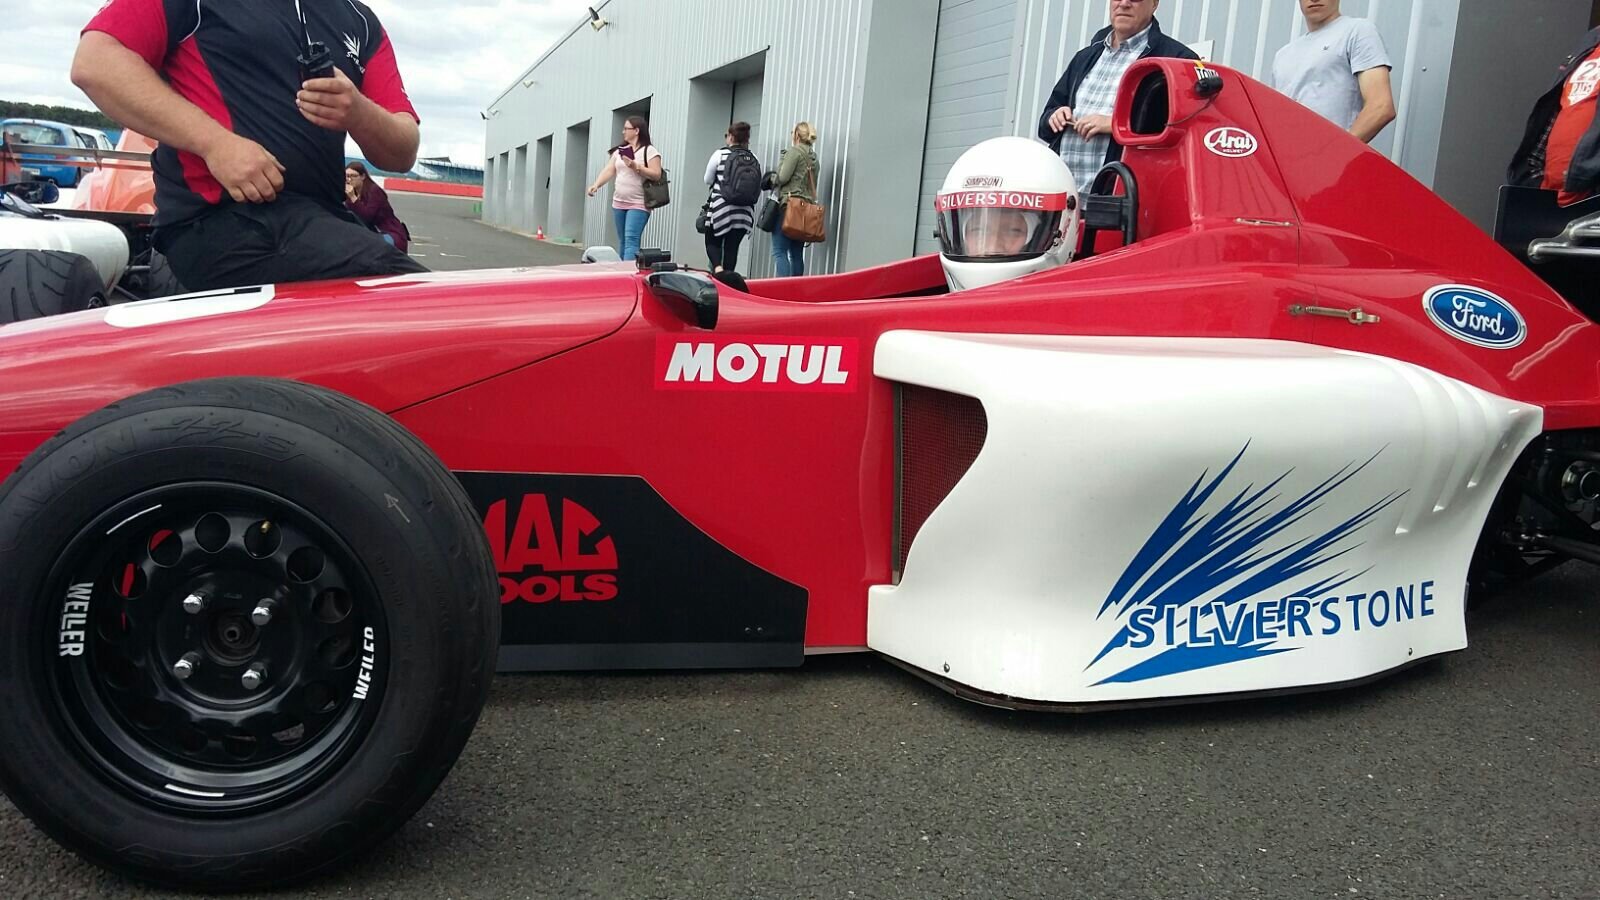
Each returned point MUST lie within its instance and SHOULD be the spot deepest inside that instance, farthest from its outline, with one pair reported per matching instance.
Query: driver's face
(1003, 232)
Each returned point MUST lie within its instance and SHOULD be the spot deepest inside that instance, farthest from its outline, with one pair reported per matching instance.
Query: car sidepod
(1154, 519)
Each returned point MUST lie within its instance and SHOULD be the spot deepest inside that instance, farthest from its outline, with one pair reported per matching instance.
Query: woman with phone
(630, 163)
(371, 205)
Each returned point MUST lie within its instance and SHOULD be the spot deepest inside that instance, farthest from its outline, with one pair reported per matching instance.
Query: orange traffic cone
(540, 235)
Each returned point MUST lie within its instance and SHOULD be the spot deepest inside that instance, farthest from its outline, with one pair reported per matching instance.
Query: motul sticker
(827, 365)
(1000, 200)
(1234, 143)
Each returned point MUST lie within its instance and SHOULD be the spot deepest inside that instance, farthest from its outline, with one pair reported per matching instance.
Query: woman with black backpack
(734, 175)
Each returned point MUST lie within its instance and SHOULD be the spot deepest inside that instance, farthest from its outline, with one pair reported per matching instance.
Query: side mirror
(33, 192)
(690, 296)
(601, 253)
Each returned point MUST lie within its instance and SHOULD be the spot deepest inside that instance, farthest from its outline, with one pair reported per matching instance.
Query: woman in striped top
(729, 223)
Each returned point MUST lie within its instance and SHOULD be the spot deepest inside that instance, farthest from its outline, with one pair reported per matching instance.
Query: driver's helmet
(1009, 207)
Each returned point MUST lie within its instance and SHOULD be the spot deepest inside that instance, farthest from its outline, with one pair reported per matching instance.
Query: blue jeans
(630, 224)
(788, 256)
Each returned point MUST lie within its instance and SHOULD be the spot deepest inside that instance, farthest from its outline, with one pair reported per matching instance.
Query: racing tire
(35, 283)
(150, 534)
(158, 281)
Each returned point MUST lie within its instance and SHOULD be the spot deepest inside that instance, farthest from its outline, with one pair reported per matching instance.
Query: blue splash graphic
(1214, 563)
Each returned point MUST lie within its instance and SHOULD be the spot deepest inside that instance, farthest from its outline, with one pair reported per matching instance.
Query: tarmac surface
(447, 235)
(1475, 776)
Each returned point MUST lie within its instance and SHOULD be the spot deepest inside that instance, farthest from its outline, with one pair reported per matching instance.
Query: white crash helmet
(1008, 208)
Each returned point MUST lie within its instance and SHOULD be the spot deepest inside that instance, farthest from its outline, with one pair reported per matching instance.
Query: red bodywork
(560, 370)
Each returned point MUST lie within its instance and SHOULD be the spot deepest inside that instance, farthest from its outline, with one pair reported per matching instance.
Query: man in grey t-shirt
(1339, 69)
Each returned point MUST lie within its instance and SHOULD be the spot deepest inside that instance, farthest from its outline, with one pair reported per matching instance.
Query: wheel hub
(221, 666)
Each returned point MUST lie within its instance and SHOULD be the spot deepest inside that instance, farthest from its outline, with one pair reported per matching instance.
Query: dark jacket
(373, 209)
(1066, 90)
(1527, 166)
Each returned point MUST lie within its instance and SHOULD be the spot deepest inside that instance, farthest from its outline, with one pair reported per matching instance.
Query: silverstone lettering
(1001, 200)
(75, 619)
(562, 570)
(796, 364)
(369, 659)
(1218, 624)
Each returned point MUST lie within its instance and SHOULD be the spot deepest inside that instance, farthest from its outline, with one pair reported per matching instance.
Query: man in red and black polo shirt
(250, 168)
(1561, 149)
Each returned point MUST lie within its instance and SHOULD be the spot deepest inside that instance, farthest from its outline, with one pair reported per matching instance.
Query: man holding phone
(249, 168)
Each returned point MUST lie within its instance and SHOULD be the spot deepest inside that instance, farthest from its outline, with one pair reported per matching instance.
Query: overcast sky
(455, 56)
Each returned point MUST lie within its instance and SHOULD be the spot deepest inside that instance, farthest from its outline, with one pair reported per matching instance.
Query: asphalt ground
(446, 235)
(1474, 776)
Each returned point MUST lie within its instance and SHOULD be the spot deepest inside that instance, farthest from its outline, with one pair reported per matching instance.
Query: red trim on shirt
(381, 82)
(139, 25)
(191, 78)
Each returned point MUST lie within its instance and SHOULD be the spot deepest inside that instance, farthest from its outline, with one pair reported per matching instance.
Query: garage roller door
(971, 75)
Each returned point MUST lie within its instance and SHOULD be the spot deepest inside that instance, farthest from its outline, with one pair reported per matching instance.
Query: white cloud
(456, 56)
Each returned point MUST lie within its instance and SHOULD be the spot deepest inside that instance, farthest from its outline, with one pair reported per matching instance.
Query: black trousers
(724, 250)
(292, 238)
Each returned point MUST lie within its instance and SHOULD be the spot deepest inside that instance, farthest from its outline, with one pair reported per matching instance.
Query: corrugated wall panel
(654, 48)
(972, 76)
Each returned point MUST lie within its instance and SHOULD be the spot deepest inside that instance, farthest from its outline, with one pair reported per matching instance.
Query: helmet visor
(973, 226)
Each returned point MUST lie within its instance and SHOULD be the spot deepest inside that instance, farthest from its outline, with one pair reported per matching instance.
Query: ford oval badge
(1474, 315)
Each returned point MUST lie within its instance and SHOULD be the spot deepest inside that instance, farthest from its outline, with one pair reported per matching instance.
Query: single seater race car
(263, 548)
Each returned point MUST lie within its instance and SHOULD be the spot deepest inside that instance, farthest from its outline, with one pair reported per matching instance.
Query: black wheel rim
(267, 708)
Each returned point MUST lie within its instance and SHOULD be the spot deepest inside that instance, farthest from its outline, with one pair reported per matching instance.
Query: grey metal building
(898, 89)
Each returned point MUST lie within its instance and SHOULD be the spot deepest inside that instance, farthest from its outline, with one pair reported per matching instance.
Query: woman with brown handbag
(797, 173)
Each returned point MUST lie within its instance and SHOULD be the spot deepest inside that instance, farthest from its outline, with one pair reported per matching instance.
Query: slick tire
(160, 281)
(149, 537)
(35, 283)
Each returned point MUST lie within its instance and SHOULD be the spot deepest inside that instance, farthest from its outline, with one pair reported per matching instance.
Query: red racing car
(264, 548)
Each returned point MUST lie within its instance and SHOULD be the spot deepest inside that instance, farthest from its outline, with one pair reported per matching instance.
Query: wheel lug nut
(185, 667)
(263, 612)
(194, 604)
(254, 677)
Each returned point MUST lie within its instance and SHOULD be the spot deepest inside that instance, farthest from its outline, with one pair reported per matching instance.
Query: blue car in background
(47, 134)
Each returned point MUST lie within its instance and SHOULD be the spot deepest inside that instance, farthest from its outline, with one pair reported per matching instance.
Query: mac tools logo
(542, 558)
(1231, 142)
(1475, 316)
(1249, 571)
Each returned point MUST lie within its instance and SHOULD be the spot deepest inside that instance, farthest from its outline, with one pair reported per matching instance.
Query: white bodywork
(1156, 518)
(103, 243)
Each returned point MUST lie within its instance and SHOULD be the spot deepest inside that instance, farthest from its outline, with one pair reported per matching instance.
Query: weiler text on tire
(246, 627)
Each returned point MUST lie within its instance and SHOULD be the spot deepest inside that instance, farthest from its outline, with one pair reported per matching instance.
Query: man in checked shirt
(1076, 121)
